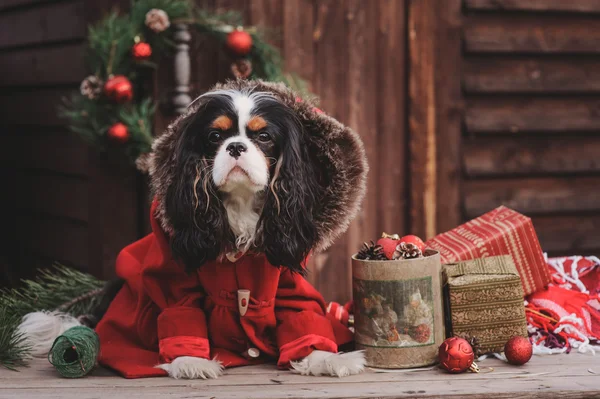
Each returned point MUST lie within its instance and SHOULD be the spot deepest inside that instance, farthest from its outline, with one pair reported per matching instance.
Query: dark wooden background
(462, 105)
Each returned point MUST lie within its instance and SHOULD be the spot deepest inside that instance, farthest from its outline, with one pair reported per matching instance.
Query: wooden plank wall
(531, 82)
(60, 201)
(353, 54)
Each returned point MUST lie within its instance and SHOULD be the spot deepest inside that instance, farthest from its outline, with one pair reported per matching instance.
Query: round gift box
(398, 312)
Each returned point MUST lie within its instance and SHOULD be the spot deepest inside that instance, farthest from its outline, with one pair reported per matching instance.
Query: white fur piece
(242, 214)
(190, 368)
(42, 328)
(333, 364)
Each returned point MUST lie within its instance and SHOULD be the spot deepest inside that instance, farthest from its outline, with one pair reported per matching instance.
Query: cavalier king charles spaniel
(246, 184)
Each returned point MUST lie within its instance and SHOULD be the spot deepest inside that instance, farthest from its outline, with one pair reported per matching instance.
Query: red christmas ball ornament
(118, 133)
(412, 239)
(118, 89)
(518, 350)
(388, 243)
(141, 51)
(239, 42)
(456, 355)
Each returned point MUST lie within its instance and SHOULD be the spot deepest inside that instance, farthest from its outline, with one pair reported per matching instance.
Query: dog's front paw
(327, 363)
(188, 367)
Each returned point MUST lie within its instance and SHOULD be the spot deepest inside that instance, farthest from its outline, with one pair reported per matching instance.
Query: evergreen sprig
(109, 49)
(61, 288)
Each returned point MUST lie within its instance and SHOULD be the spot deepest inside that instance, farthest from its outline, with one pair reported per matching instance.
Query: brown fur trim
(338, 150)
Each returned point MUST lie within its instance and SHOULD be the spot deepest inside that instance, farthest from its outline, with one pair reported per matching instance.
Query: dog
(247, 184)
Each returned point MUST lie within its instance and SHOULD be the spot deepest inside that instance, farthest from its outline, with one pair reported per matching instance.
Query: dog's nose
(235, 149)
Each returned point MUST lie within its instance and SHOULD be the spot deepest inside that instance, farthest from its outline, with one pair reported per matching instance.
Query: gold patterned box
(484, 299)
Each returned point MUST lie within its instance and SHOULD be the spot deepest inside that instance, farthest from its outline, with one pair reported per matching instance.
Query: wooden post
(182, 98)
(422, 117)
(435, 114)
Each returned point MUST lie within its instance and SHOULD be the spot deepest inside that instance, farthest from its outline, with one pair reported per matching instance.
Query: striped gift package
(502, 231)
(484, 300)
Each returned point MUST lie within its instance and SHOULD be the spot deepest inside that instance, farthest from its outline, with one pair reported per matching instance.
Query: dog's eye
(214, 137)
(264, 137)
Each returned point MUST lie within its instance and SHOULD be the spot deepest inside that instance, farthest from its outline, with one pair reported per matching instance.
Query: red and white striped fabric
(566, 316)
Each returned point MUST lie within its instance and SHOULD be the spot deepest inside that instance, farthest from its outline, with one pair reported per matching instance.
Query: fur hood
(337, 149)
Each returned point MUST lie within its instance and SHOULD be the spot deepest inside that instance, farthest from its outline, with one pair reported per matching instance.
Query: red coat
(162, 313)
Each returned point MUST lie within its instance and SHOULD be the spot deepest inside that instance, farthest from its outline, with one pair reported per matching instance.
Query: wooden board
(532, 195)
(52, 195)
(34, 107)
(54, 65)
(555, 377)
(55, 238)
(512, 74)
(570, 234)
(392, 152)
(422, 118)
(484, 33)
(24, 149)
(499, 156)
(584, 6)
(504, 114)
(52, 22)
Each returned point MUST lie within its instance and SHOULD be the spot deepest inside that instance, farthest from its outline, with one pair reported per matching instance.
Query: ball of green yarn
(75, 353)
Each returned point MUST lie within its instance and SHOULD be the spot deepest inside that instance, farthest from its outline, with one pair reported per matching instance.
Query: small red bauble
(118, 89)
(141, 51)
(456, 355)
(412, 239)
(518, 350)
(239, 42)
(388, 246)
(118, 133)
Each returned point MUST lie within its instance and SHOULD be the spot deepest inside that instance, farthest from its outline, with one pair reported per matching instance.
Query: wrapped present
(499, 232)
(485, 301)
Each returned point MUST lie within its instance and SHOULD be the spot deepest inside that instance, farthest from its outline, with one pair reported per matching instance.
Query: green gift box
(484, 300)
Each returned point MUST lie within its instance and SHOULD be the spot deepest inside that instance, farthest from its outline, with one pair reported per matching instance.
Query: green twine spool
(75, 353)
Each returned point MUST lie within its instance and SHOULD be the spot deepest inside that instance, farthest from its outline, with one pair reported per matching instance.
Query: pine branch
(13, 349)
(51, 289)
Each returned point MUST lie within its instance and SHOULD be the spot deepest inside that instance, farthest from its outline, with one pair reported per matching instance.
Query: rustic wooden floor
(558, 376)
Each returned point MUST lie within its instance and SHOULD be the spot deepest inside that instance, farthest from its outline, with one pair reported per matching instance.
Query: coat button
(253, 353)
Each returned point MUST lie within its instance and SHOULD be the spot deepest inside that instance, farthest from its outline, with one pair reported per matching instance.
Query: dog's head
(249, 166)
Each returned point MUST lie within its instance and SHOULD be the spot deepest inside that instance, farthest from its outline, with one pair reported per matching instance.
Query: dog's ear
(197, 216)
(287, 227)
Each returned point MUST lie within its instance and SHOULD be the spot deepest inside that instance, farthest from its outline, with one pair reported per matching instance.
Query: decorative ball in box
(398, 302)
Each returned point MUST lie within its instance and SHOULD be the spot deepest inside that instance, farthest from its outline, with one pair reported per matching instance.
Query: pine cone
(406, 250)
(157, 20)
(91, 87)
(474, 342)
(241, 68)
(371, 252)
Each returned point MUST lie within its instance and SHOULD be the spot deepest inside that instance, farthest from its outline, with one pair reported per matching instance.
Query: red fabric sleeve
(301, 322)
(182, 329)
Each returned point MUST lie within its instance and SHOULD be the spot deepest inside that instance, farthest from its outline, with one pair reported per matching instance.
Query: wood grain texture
(54, 238)
(495, 114)
(69, 153)
(485, 33)
(583, 6)
(55, 65)
(450, 110)
(53, 195)
(560, 234)
(330, 35)
(32, 107)
(498, 156)
(511, 74)
(422, 117)
(46, 23)
(392, 151)
(552, 195)
(554, 377)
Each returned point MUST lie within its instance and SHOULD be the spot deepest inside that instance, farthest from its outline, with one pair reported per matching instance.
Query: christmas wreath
(112, 111)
